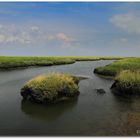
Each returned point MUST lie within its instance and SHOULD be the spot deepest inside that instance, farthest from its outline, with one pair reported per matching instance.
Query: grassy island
(51, 88)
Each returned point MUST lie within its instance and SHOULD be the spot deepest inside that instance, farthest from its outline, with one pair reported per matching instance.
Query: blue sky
(70, 28)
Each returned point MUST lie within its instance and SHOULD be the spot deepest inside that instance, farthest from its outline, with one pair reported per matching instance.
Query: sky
(70, 28)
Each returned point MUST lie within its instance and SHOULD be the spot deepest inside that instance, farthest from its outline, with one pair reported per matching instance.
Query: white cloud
(2, 38)
(19, 34)
(124, 40)
(11, 39)
(20, 38)
(63, 37)
(50, 37)
(127, 22)
(60, 37)
(66, 41)
(34, 28)
(1, 26)
(31, 35)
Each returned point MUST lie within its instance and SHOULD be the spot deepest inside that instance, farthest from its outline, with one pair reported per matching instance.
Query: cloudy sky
(49, 28)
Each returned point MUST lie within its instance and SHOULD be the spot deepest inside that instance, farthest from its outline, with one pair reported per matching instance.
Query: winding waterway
(92, 114)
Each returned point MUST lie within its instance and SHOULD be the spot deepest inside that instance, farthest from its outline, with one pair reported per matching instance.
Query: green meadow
(13, 62)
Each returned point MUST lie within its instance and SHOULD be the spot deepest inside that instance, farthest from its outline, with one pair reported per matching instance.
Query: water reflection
(127, 102)
(47, 112)
(128, 114)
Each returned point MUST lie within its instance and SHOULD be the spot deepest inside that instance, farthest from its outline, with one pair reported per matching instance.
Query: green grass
(117, 66)
(50, 88)
(126, 73)
(93, 58)
(14, 62)
(128, 82)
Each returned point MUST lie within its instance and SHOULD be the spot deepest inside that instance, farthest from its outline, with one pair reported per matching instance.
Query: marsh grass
(17, 62)
(128, 77)
(113, 69)
(128, 82)
(126, 73)
(50, 88)
(14, 62)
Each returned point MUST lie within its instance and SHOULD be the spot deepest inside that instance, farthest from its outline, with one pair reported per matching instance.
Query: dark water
(91, 114)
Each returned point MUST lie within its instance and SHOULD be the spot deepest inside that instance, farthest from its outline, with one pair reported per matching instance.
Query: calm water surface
(91, 114)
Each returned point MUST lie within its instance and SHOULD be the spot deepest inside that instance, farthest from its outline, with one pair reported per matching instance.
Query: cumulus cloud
(2, 38)
(5, 39)
(34, 28)
(1, 26)
(9, 34)
(30, 35)
(124, 40)
(127, 22)
(61, 37)
(65, 40)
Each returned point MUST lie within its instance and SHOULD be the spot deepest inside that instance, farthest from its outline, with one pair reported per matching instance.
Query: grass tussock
(50, 88)
(128, 77)
(113, 69)
(128, 82)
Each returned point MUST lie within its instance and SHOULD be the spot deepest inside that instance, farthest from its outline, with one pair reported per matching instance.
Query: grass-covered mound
(127, 82)
(117, 66)
(50, 88)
